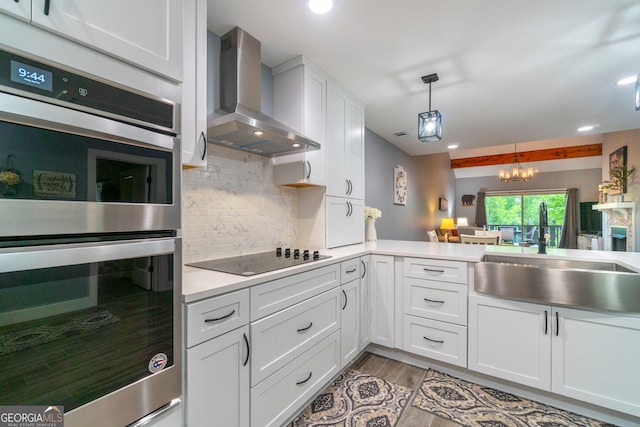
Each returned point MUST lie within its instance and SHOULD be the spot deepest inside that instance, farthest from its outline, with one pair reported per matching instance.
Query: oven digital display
(31, 76)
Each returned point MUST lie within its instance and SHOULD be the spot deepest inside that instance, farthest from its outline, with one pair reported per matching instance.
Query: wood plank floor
(405, 375)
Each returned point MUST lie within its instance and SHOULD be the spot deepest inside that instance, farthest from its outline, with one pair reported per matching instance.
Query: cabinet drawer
(435, 269)
(282, 395)
(349, 270)
(281, 337)
(436, 300)
(436, 340)
(273, 296)
(215, 316)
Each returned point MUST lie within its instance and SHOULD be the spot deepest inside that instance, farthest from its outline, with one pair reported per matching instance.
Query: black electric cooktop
(248, 265)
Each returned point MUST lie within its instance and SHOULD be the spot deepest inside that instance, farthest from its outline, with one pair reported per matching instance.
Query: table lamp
(446, 224)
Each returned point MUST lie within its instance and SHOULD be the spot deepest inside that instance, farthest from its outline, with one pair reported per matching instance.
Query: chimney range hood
(239, 123)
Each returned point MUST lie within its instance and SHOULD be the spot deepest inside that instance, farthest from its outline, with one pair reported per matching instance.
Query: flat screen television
(590, 220)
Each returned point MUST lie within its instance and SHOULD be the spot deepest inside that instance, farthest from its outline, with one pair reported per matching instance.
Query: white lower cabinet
(365, 302)
(280, 396)
(585, 355)
(217, 381)
(507, 340)
(349, 322)
(382, 293)
(283, 336)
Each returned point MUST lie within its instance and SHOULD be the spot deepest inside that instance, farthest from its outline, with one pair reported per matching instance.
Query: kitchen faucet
(542, 243)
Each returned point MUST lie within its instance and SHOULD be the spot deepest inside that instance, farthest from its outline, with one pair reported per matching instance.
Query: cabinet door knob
(204, 145)
(217, 319)
(246, 342)
(305, 380)
(307, 328)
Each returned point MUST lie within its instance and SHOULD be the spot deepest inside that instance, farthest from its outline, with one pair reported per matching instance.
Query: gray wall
(435, 180)
(586, 181)
(398, 222)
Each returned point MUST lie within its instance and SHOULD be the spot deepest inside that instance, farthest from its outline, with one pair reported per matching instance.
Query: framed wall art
(399, 186)
(618, 159)
(444, 204)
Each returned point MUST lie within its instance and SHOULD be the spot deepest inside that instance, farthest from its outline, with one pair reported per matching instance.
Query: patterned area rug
(16, 341)
(356, 399)
(473, 405)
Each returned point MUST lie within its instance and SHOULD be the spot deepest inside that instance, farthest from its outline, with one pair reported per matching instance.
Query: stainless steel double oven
(90, 249)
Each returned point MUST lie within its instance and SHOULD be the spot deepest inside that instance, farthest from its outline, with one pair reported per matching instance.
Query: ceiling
(510, 71)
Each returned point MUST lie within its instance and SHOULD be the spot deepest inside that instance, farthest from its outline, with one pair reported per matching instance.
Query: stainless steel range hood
(239, 123)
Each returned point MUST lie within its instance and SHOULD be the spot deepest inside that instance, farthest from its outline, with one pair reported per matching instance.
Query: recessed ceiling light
(627, 80)
(400, 134)
(320, 6)
(452, 146)
(295, 145)
(585, 128)
(258, 132)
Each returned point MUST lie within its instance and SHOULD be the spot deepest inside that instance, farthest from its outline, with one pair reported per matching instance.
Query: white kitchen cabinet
(594, 358)
(350, 322)
(217, 381)
(194, 85)
(345, 143)
(580, 354)
(344, 221)
(365, 302)
(299, 101)
(18, 9)
(284, 393)
(510, 340)
(281, 337)
(146, 33)
(382, 291)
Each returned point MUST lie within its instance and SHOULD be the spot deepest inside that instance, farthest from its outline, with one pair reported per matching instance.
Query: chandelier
(516, 172)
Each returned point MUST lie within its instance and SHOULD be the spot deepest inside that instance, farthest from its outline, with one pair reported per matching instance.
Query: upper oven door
(64, 171)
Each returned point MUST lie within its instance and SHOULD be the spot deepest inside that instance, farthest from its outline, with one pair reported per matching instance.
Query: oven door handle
(34, 257)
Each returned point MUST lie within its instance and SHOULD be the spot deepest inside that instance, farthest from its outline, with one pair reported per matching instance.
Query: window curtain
(569, 236)
(481, 212)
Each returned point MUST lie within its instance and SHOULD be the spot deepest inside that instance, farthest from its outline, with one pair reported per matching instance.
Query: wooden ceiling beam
(530, 156)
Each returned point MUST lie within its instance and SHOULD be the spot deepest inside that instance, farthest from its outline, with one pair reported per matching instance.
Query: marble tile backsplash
(233, 207)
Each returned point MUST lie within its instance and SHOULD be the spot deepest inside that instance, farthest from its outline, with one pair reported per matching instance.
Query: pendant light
(516, 172)
(430, 122)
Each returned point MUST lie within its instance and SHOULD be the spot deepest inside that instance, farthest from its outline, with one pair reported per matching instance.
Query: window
(518, 215)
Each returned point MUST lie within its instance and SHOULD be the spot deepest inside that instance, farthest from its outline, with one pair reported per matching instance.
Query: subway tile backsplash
(233, 207)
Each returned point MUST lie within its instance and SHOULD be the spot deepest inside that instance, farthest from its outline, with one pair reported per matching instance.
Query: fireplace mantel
(622, 207)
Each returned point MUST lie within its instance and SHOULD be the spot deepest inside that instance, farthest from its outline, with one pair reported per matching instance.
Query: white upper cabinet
(345, 144)
(19, 9)
(299, 101)
(146, 33)
(344, 221)
(194, 85)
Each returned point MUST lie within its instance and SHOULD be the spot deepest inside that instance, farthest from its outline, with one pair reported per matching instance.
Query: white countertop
(199, 283)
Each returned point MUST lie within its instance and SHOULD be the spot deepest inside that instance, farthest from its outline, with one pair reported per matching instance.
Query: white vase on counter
(370, 232)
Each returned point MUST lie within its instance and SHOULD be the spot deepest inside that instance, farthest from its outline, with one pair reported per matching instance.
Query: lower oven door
(92, 327)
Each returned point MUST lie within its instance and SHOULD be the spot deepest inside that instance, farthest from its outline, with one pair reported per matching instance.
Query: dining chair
(433, 236)
(478, 240)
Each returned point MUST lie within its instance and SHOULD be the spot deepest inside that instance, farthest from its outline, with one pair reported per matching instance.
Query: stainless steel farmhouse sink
(582, 284)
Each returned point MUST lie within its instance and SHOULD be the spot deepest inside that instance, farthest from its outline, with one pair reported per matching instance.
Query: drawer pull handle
(430, 270)
(351, 271)
(217, 319)
(434, 301)
(246, 341)
(307, 328)
(304, 381)
(436, 341)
